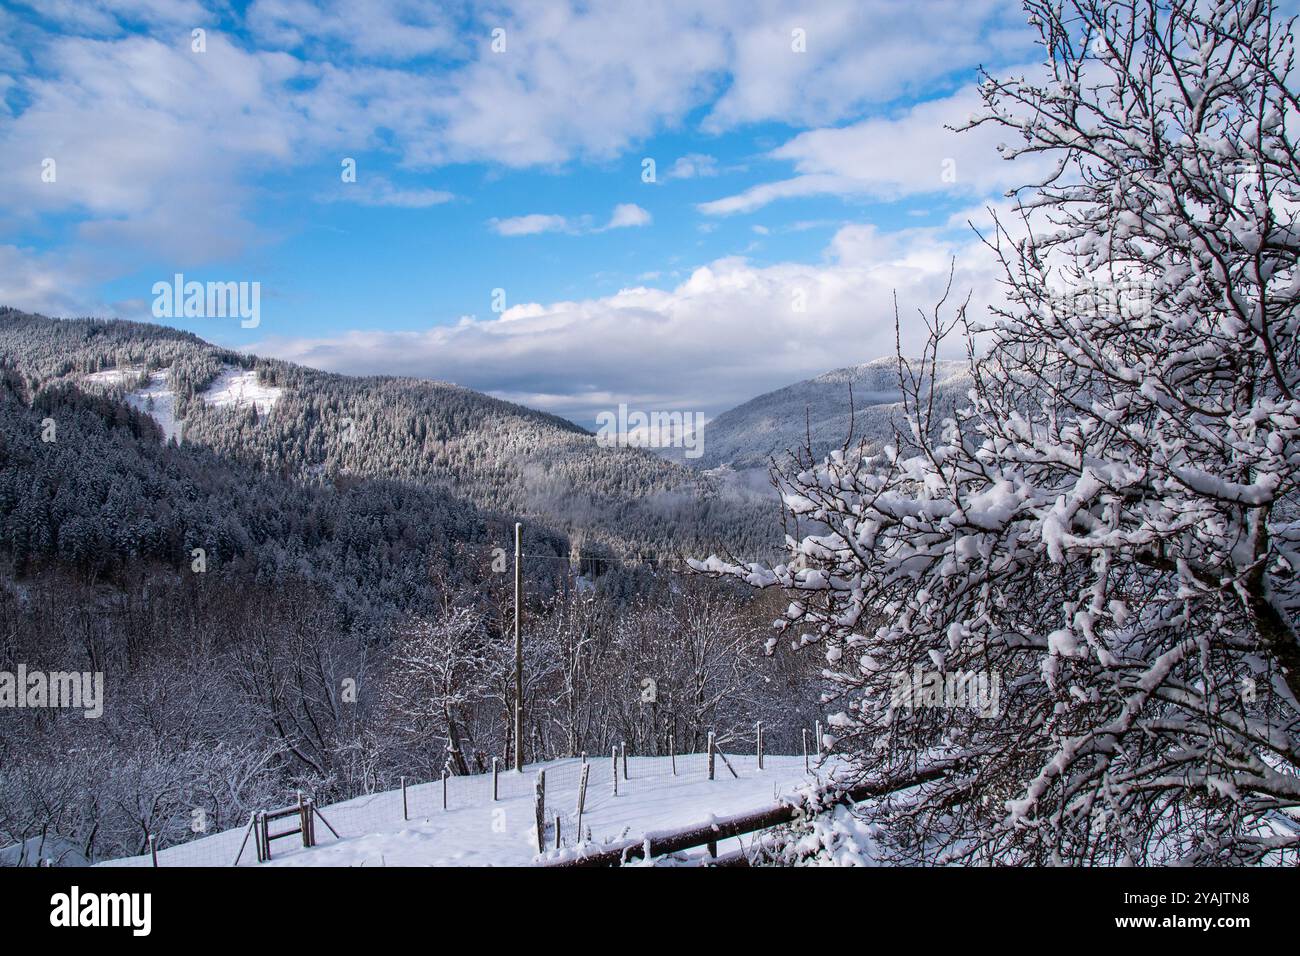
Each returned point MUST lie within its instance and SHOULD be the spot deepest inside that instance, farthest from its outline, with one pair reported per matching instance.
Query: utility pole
(519, 654)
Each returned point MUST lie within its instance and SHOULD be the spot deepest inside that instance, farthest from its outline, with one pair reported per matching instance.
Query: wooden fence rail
(709, 834)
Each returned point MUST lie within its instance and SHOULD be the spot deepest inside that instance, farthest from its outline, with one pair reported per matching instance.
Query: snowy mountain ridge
(750, 435)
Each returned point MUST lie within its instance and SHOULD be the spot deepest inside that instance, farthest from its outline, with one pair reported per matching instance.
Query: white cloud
(628, 214)
(888, 158)
(529, 225)
(728, 332)
(112, 17)
(151, 142)
(857, 54)
(624, 215)
(379, 191)
(49, 283)
(377, 29)
(654, 64)
(692, 166)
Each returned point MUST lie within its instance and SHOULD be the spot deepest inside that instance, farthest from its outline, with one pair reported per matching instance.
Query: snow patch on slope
(238, 388)
(155, 399)
(234, 387)
(158, 401)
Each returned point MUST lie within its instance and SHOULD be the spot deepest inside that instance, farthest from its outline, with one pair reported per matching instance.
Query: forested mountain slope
(750, 435)
(318, 427)
(106, 498)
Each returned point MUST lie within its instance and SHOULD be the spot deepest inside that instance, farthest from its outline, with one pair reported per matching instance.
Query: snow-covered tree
(440, 671)
(1107, 535)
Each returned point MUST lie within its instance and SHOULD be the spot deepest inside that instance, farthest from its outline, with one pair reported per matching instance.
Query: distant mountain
(304, 425)
(750, 435)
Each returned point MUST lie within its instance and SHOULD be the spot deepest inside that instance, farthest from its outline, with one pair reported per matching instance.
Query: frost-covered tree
(439, 671)
(1107, 534)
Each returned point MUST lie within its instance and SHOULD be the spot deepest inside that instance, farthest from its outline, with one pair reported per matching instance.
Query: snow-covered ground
(42, 851)
(114, 376)
(156, 399)
(238, 388)
(233, 388)
(476, 831)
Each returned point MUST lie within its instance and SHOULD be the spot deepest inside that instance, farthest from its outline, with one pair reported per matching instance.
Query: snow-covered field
(156, 399)
(238, 388)
(233, 388)
(475, 831)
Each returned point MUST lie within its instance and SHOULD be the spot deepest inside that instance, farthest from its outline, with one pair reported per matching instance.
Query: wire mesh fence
(561, 806)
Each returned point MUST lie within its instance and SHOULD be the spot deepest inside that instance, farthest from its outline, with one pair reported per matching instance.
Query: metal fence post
(613, 762)
(495, 771)
(406, 813)
(582, 796)
(710, 755)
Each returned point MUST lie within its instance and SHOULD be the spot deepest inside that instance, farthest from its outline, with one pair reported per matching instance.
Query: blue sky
(783, 174)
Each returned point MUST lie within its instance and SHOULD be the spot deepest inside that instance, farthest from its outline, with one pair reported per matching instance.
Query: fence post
(806, 768)
(539, 806)
(613, 762)
(446, 772)
(558, 843)
(582, 796)
(153, 850)
(758, 742)
(623, 750)
(672, 752)
(710, 755)
(495, 770)
(406, 814)
(307, 825)
(818, 741)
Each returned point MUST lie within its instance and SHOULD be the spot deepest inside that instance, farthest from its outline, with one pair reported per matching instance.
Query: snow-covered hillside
(234, 388)
(238, 388)
(749, 435)
(476, 831)
(156, 399)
